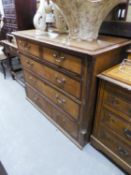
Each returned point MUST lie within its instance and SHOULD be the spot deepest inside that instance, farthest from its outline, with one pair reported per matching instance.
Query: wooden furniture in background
(117, 23)
(112, 129)
(3, 59)
(14, 65)
(18, 15)
(60, 77)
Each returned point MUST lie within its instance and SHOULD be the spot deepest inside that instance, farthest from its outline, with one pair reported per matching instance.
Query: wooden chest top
(122, 73)
(101, 45)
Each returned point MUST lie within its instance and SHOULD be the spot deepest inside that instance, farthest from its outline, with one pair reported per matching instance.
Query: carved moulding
(84, 17)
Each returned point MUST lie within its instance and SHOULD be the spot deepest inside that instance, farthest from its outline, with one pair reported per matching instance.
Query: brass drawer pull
(60, 101)
(122, 151)
(30, 78)
(29, 63)
(28, 47)
(60, 81)
(36, 98)
(25, 45)
(58, 59)
(127, 133)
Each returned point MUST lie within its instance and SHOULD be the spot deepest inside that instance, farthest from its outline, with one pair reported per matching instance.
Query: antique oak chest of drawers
(60, 77)
(112, 130)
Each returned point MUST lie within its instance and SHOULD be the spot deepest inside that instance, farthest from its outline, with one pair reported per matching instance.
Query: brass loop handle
(60, 81)
(59, 59)
(36, 98)
(30, 78)
(127, 133)
(25, 45)
(122, 151)
(111, 118)
(60, 100)
(29, 63)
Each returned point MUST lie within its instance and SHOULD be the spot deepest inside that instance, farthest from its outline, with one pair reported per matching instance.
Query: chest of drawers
(112, 130)
(61, 78)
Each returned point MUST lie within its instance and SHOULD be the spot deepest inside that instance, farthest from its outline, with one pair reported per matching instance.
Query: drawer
(63, 60)
(129, 56)
(28, 47)
(62, 81)
(118, 125)
(115, 145)
(119, 102)
(56, 97)
(61, 119)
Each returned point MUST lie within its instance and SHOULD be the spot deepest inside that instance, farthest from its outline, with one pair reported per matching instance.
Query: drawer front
(61, 119)
(64, 60)
(58, 98)
(27, 47)
(117, 103)
(116, 145)
(117, 124)
(62, 81)
(129, 56)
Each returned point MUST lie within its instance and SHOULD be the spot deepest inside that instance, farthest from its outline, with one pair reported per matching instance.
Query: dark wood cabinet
(18, 15)
(61, 78)
(112, 129)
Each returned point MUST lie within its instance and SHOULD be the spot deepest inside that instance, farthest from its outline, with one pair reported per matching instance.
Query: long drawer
(61, 119)
(115, 144)
(61, 59)
(117, 124)
(62, 81)
(58, 98)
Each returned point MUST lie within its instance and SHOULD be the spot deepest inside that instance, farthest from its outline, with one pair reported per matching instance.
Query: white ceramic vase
(40, 17)
(84, 17)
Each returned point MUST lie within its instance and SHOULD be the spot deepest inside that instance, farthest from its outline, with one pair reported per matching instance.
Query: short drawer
(118, 102)
(61, 119)
(58, 98)
(62, 81)
(69, 62)
(28, 47)
(117, 124)
(115, 145)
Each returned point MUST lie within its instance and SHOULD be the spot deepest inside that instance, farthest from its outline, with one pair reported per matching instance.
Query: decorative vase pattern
(84, 17)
